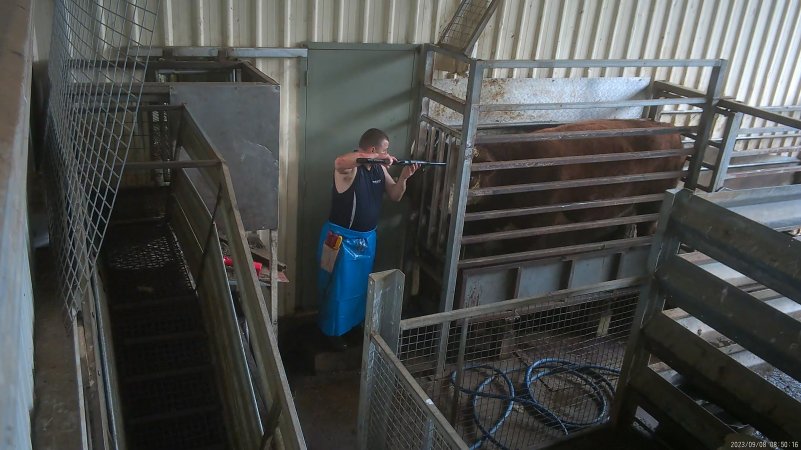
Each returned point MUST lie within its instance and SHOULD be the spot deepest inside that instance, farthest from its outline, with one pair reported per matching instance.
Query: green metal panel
(350, 88)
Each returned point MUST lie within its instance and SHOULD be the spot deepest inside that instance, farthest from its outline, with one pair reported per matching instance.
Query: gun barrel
(400, 162)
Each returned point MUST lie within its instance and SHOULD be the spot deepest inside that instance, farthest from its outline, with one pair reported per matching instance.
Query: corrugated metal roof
(759, 38)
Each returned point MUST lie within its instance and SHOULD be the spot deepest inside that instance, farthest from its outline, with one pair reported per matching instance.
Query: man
(347, 242)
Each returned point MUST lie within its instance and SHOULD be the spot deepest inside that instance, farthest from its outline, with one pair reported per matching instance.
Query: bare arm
(396, 189)
(345, 167)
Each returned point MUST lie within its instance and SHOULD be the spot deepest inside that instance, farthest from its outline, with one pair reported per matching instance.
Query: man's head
(374, 140)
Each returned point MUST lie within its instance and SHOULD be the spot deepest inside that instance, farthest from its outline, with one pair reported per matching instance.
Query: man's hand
(408, 171)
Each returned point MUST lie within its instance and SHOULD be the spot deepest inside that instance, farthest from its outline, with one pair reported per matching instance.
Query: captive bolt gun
(400, 162)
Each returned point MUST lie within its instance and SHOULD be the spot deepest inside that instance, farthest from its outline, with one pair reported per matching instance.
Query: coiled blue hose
(594, 376)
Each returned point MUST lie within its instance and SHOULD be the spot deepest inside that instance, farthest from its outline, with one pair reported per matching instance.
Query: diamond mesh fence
(96, 73)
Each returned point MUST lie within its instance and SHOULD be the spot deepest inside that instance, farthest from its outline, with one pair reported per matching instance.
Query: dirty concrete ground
(324, 383)
(55, 421)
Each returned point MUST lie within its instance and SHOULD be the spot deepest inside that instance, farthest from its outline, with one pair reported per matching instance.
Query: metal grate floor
(167, 385)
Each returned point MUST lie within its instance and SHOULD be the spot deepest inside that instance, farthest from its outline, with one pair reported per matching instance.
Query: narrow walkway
(169, 396)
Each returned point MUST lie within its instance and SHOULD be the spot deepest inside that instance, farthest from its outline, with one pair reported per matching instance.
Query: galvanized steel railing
(257, 398)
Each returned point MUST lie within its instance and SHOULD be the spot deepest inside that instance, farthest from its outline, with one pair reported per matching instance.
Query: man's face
(383, 148)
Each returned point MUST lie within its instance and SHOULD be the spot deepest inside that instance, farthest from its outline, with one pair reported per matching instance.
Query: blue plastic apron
(343, 292)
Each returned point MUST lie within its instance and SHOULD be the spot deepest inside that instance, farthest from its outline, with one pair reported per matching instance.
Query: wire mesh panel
(467, 24)
(396, 419)
(527, 376)
(95, 76)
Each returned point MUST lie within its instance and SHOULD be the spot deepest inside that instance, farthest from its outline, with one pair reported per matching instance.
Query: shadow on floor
(55, 420)
(324, 383)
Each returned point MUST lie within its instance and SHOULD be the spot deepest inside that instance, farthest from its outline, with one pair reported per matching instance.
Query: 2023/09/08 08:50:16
(765, 444)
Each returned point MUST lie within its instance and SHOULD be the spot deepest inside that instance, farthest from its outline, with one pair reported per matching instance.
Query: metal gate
(531, 372)
(457, 117)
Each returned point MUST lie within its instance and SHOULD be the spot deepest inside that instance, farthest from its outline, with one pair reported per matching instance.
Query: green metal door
(350, 88)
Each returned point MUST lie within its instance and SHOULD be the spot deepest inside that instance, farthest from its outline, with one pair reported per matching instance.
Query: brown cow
(561, 148)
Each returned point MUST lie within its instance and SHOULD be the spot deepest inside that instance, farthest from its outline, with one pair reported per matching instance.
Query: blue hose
(593, 376)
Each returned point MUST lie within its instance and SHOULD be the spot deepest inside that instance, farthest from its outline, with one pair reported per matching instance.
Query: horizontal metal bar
(423, 401)
(662, 398)
(748, 247)
(588, 105)
(449, 53)
(582, 159)
(213, 52)
(503, 213)
(553, 252)
(516, 304)
(444, 98)
(150, 165)
(723, 381)
(763, 172)
(562, 135)
(552, 229)
(553, 185)
(601, 63)
(760, 328)
(768, 150)
(775, 161)
(437, 124)
(761, 113)
(753, 130)
(780, 136)
(676, 89)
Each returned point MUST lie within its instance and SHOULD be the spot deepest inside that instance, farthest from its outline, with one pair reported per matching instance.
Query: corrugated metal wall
(16, 296)
(758, 37)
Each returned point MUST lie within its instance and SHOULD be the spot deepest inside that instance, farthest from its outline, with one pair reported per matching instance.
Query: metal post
(724, 153)
(465, 324)
(457, 209)
(713, 91)
(382, 317)
(651, 302)
(460, 185)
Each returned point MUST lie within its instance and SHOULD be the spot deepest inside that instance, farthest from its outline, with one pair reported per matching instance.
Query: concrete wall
(16, 297)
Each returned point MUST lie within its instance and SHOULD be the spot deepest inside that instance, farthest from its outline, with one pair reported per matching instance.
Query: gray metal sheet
(241, 121)
(546, 90)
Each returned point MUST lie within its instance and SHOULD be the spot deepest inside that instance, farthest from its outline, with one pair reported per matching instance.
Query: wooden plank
(662, 398)
(765, 331)
(746, 246)
(723, 381)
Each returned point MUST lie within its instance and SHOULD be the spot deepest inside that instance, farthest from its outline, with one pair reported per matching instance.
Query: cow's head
(483, 178)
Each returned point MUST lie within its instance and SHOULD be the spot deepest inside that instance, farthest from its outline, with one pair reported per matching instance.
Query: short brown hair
(372, 138)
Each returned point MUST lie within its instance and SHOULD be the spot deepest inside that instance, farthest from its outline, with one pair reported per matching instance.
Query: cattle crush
(535, 240)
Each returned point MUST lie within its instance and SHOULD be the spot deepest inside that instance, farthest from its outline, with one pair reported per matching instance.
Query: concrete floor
(55, 421)
(324, 383)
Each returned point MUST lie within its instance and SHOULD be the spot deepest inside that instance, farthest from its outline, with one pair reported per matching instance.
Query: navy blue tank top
(359, 206)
